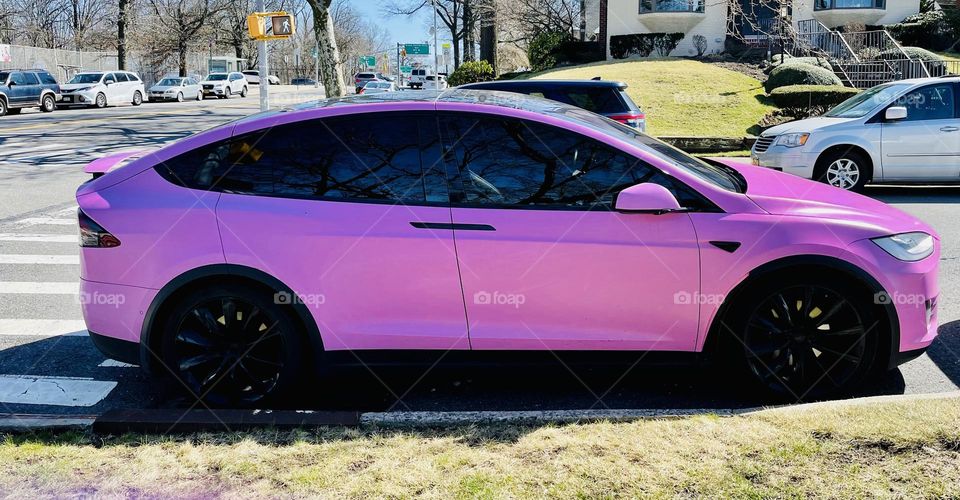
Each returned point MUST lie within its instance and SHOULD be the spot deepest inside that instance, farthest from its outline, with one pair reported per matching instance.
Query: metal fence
(60, 63)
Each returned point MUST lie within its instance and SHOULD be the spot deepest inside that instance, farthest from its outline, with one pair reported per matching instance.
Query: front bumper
(215, 91)
(77, 99)
(794, 161)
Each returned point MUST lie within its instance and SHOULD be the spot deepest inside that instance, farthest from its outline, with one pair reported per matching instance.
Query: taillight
(361, 91)
(93, 235)
(632, 119)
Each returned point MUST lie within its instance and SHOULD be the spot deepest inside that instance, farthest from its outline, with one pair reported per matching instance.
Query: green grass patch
(906, 450)
(683, 97)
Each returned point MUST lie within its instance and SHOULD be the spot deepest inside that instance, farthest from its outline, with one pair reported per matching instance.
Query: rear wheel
(233, 347)
(804, 336)
(48, 104)
(848, 170)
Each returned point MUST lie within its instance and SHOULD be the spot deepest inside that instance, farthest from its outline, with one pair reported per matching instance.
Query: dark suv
(605, 97)
(27, 88)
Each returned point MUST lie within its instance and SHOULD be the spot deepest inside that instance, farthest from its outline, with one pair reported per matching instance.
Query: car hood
(783, 194)
(162, 88)
(807, 125)
(74, 86)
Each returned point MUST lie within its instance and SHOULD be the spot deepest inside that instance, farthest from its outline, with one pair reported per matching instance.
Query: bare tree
(450, 12)
(357, 37)
(178, 21)
(328, 55)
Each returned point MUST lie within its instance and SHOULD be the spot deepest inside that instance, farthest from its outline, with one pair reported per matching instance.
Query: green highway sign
(417, 49)
(406, 69)
(368, 60)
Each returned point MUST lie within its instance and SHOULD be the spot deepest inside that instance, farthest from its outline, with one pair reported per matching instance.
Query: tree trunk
(331, 71)
(122, 34)
(182, 49)
(488, 37)
(469, 33)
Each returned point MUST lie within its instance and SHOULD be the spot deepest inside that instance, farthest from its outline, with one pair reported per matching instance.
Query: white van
(417, 77)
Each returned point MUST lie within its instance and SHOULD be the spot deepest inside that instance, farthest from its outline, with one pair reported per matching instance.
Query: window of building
(647, 6)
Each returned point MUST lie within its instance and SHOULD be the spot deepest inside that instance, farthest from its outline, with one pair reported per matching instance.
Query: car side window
(47, 79)
(132, 77)
(120, 77)
(933, 102)
(18, 78)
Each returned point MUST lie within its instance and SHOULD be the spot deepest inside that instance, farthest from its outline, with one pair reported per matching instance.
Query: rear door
(19, 89)
(925, 145)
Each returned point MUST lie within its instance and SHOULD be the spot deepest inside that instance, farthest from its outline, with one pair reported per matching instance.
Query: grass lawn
(683, 97)
(880, 449)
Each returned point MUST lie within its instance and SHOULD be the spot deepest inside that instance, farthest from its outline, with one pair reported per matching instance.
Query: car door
(31, 88)
(544, 260)
(926, 144)
(18, 87)
(112, 88)
(356, 221)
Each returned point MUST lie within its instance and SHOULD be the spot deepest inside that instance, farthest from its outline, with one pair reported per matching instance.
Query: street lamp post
(436, 48)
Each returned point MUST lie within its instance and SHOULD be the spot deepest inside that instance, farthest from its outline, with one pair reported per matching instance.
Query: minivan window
(933, 102)
(120, 77)
(859, 105)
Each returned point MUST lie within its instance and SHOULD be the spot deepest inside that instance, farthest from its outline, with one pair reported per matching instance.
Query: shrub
(577, 52)
(935, 64)
(472, 72)
(666, 42)
(700, 43)
(800, 74)
(932, 30)
(813, 61)
(541, 50)
(643, 44)
(793, 97)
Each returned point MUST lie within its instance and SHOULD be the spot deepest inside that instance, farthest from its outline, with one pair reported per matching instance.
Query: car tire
(243, 92)
(180, 97)
(233, 346)
(48, 104)
(3, 107)
(847, 170)
(101, 100)
(804, 335)
(137, 98)
(199, 96)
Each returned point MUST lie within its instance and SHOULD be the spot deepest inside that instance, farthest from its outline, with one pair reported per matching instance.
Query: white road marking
(35, 287)
(43, 327)
(39, 259)
(68, 211)
(112, 363)
(56, 391)
(46, 221)
(39, 238)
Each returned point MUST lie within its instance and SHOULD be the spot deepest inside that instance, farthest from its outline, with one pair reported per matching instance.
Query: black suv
(604, 97)
(27, 88)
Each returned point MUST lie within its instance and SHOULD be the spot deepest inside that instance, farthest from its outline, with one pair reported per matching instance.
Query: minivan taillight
(631, 119)
(93, 235)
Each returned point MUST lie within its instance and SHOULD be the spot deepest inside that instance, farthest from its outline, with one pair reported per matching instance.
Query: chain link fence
(62, 64)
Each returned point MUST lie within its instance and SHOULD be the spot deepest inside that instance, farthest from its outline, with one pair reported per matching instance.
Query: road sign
(368, 60)
(270, 25)
(406, 69)
(417, 49)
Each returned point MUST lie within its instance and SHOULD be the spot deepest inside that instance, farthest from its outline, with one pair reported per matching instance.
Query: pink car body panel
(589, 280)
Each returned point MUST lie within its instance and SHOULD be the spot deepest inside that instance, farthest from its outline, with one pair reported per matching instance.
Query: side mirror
(646, 197)
(11, 84)
(895, 113)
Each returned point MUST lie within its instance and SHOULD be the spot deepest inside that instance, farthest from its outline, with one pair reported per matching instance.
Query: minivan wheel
(137, 98)
(847, 170)
(804, 337)
(232, 347)
(101, 101)
(48, 104)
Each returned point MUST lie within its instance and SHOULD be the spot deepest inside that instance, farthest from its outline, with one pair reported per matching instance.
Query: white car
(102, 88)
(906, 131)
(175, 88)
(435, 82)
(224, 85)
(378, 87)
(253, 77)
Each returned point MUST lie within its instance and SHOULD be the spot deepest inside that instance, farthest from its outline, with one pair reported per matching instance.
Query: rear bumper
(120, 350)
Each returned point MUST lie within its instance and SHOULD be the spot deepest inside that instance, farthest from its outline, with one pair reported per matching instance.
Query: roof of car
(545, 83)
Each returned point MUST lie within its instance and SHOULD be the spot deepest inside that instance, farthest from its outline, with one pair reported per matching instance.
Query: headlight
(81, 89)
(793, 140)
(910, 247)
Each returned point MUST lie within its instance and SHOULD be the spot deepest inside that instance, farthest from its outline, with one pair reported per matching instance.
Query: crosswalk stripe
(39, 238)
(112, 363)
(46, 221)
(55, 391)
(43, 327)
(39, 259)
(40, 288)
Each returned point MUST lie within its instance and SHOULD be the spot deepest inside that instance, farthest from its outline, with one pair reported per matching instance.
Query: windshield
(861, 104)
(86, 78)
(169, 82)
(217, 77)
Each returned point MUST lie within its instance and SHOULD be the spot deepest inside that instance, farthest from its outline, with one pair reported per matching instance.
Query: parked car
(101, 89)
(361, 79)
(253, 77)
(906, 131)
(175, 88)
(303, 81)
(579, 235)
(605, 97)
(417, 77)
(378, 87)
(435, 82)
(27, 88)
(224, 85)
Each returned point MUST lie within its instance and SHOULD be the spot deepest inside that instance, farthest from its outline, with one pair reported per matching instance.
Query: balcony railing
(649, 6)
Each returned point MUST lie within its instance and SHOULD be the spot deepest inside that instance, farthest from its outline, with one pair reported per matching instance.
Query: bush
(932, 30)
(800, 74)
(700, 43)
(936, 65)
(541, 50)
(643, 44)
(577, 52)
(813, 61)
(810, 96)
(472, 72)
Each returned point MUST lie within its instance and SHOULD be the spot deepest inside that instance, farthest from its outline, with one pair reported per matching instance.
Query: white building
(714, 20)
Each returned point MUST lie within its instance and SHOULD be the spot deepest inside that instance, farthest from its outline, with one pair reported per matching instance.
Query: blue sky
(402, 29)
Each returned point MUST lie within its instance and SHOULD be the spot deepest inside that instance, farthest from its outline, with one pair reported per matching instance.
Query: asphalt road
(48, 365)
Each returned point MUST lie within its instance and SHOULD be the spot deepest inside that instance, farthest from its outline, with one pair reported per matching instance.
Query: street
(48, 365)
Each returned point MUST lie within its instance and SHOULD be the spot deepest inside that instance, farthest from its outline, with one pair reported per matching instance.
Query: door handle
(458, 227)
(949, 129)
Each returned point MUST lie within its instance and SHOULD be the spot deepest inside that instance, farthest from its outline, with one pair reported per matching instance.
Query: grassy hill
(683, 97)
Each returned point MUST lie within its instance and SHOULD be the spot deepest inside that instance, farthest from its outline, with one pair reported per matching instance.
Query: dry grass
(888, 450)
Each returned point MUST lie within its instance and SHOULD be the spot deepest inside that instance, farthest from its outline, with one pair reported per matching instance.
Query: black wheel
(137, 98)
(806, 336)
(233, 347)
(3, 107)
(848, 170)
(48, 104)
(243, 92)
(101, 101)
(180, 97)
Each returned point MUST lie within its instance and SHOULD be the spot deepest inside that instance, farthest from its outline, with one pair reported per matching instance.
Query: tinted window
(357, 158)
(132, 77)
(933, 102)
(120, 77)
(24, 78)
(45, 78)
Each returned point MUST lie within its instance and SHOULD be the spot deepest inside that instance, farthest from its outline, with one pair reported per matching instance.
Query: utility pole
(399, 76)
(264, 67)
(436, 47)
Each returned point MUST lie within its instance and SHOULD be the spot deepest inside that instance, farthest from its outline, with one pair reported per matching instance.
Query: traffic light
(270, 25)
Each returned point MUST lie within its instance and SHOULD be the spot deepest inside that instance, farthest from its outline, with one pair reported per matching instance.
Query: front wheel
(137, 98)
(199, 96)
(48, 104)
(233, 347)
(848, 170)
(101, 101)
(3, 107)
(180, 97)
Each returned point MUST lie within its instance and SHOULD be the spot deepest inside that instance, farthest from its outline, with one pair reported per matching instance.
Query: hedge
(643, 44)
(800, 74)
(931, 30)
(813, 61)
(471, 72)
(811, 96)
(541, 49)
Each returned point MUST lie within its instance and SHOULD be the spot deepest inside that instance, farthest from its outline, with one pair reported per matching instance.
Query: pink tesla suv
(252, 256)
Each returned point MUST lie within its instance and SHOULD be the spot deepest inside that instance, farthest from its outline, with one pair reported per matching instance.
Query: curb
(22, 423)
